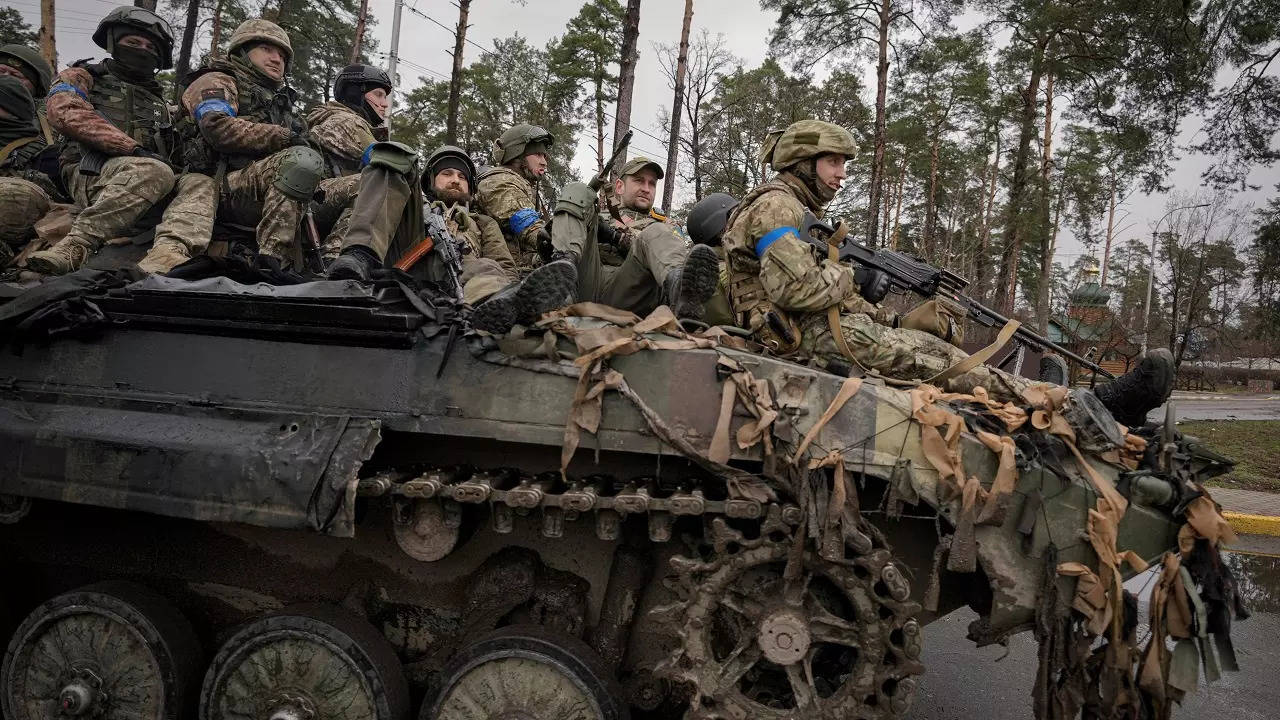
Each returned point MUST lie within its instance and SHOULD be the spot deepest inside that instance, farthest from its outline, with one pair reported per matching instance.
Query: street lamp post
(1151, 271)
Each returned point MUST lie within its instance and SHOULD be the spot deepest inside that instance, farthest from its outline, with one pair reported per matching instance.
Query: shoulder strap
(44, 127)
(14, 145)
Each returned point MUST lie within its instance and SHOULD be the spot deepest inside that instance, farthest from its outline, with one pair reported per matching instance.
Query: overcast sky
(424, 44)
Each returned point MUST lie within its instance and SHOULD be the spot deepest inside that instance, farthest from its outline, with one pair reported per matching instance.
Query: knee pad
(396, 157)
(299, 174)
(578, 200)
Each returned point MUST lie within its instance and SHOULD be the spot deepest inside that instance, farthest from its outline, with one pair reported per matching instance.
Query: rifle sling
(979, 357)
(14, 145)
(833, 312)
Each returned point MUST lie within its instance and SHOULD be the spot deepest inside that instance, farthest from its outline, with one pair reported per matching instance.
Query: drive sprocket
(773, 631)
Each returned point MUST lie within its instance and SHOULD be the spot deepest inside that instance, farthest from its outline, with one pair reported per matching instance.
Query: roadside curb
(1245, 524)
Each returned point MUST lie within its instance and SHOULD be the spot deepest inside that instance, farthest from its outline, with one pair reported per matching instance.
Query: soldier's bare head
(535, 159)
(450, 185)
(830, 169)
(18, 74)
(269, 58)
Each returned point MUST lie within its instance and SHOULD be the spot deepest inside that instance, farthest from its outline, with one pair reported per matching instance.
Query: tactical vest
(747, 298)
(255, 103)
(136, 109)
(20, 157)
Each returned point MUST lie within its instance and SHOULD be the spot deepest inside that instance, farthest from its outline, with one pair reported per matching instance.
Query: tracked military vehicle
(331, 500)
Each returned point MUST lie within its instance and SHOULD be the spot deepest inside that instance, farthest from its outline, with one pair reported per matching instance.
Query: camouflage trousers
(189, 217)
(636, 284)
(905, 355)
(22, 203)
(375, 216)
(333, 214)
(113, 200)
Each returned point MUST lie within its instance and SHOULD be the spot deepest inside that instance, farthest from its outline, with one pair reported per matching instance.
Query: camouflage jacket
(226, 111)
(479, 233)
(770, 267)
(342, 135)
(506, 196)
(93, 108)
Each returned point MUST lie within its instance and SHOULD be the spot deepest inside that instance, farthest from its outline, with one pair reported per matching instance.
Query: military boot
(355, 263)
(688, 290)
(66, 255)
(1143, 389)
(164, 256)
(546, 288)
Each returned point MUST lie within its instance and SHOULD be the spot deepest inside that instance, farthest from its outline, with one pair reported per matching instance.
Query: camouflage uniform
(25, 192)
(772, 270)
(384, 211)
(342, 136)
(508, 193)
(236, 119)
(90, 106)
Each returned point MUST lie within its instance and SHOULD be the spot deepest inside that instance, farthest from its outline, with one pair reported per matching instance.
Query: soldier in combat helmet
(659, 269)
(247, 156)
(386, 224)
(26, 192)
(508, 192)
(116, 129)
(773, 271)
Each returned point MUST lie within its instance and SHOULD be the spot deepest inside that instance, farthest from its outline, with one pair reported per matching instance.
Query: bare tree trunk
(455, 78)
(1048, 233)
(1111, 224)
(184, 50)
(48, 46)
(673, 145)
(216, 36)
(599, 99)
(927, 243)
(877, 159)
(358, 42)
(887, 213)
(1006, 290)
(627, 71)
(695, 152)
(897, 210)
(984, 239)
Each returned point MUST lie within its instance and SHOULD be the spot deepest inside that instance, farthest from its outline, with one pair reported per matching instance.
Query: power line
(512, 67)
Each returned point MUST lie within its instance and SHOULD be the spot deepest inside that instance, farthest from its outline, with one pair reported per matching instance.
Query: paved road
(963, 682)
(1223, 407)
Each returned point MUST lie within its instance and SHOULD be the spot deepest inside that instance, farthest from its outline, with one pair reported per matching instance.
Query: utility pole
(1151, 271)
(48, 48)
(627, 71)
(455, 78)
(677, 107)
(359, 41)
(394, 59)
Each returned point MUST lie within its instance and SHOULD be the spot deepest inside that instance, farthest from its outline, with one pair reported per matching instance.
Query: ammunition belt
(508, 493)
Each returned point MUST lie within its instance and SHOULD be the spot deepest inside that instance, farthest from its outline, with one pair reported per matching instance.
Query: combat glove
(872, 284)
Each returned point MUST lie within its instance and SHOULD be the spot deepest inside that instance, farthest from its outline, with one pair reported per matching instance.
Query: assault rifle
(438, 238)
(910, 274)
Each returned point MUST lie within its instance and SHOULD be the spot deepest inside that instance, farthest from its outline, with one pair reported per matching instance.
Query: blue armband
(213, 105)
(368, 153)
(773, 236)
(522, 219)
(67, 87)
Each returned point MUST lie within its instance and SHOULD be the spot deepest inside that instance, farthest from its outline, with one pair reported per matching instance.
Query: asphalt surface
(962, 682)
(1222, 407)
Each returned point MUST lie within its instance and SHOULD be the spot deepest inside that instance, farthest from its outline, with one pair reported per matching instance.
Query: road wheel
(106, 651)
(307, 663)
(527, 673)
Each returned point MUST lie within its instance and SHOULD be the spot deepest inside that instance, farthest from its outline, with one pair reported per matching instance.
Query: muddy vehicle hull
(243, 453)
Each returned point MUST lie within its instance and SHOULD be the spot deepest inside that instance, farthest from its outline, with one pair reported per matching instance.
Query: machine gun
(910, 274)
(437, 238)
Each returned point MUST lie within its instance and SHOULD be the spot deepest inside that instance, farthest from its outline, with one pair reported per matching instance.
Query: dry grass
(1253, 444)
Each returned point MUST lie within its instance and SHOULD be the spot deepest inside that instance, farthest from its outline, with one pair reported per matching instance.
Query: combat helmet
(32, 65)
(708, 217)
(443, 153)
(143, 21)
(354, 81)
(512, 144)
(257, 30)
(805, 139)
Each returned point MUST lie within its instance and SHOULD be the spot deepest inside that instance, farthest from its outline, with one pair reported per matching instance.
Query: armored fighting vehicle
(332, 500)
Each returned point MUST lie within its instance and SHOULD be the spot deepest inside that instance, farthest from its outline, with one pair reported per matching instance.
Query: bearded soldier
(247, 157)
(386, 224)
(116, 128)
(508, 192)
(773, 271)
(659, 268)
(26, 193)
(343, 130)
